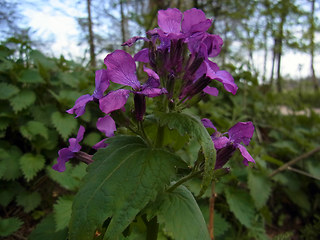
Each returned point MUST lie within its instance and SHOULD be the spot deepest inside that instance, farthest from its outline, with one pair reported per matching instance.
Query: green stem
(143, 134)
(152, 229)
(160, 136)
(184, 179)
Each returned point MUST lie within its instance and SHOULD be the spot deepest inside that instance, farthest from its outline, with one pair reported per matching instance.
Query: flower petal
(207, 123)
(121, 69)
(114, 100)
(64, 155)
(142, 56)
(222, 76)
(211, 90)
(194, 20)
(152, 92)
(102, 83)
(79, 107)
(100, 144)
(170, 20)
(242, 131)
(246, 155)
(132, 40)
(213, 44)
(220, 142)
(106, 125)
(80, 133)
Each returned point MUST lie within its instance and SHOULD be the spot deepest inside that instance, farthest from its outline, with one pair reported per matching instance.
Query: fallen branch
(293, 161)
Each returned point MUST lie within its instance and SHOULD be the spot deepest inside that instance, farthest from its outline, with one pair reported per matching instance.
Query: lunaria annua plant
(137, 178)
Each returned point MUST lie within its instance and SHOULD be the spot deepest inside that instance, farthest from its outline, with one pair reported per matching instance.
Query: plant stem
(160, 136)
(293, 161)
(182, 180)
(152, 229)
(143, 134)
(211, 209)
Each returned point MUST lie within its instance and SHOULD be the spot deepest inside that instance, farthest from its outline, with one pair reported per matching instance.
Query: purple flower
(226, 146)
(121, 69)
(67, 153)
(102, 83)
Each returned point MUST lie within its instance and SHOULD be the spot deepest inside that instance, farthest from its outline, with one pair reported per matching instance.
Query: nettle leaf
(9, 226)
(189, 125)
(31, 164)
(7, 90)
(31, 76)
(62, 212)
(221, 225)
(181, 216)
(9, 163)
(69, 179)
(34, 128)
(45, 230)
(120, 182)
(241, 205)
(23, 100)
(64, 123)
(260, 188)
(29, 201)
(4, 123)
(8, 191)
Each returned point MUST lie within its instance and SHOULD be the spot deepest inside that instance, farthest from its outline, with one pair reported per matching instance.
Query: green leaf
(69, 179)
(4, 123)
(23, 100)
(187, 124)
(62, 212)
(241, 205)
(221, 225)
(9, 163)
(64, 123)
(180, 214)
(31, 76)
(29, 201)
(7, 90)
(8, 191)
(31, 164)
(120, 182)
(34, 128)
(260, 188)
(9, 226)
(46, 231)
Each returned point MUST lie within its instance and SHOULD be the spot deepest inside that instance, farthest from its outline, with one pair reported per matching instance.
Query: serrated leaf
(23, 100)
(9, 163)
(260, 188)
(46, 231)
(221, 225)
(34, 128)
(8, 191)
(9, 226)
(64, 123)
(189, 125)
(29, 201)
(241, 205)
(62, 212)
(31, 76)
(7, 90)
(299, 197)
(31, 164)
(180, 214)
(71, 178)
(4, 123)
(120, 182)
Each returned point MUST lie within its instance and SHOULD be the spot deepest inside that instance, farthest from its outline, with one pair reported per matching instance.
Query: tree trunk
(274, 53)
(312, 29)
(91, 37)
(123, 23)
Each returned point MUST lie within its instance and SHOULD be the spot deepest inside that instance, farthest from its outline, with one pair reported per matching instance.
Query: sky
(61, 30)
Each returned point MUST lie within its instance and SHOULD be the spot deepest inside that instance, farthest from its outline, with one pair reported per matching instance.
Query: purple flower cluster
(179, 70)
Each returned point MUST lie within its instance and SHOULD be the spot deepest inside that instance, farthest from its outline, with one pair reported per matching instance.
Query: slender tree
(312, 45)
(91, 36)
